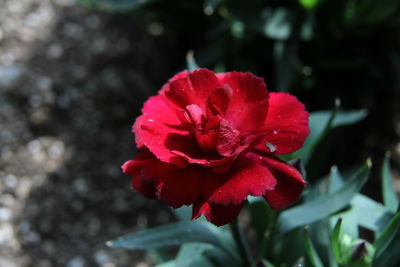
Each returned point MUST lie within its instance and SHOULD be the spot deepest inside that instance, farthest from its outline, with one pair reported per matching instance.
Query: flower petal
(192, 88)
(160, 130)
(248, 104)
(214, 213)
(218, 101)
(245, 177)
(289, 182)
(175, 186)
(286, 126)
(133, 167)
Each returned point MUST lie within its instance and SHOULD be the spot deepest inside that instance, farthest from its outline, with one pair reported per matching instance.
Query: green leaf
(175, 234)
(324, 205)
(114, 5)
(191, 62)
(166, 264)
(321, 122)
(311, 252)
(263, 217)
(370, 214)
(349, 117)
(309, 4)
(389, 194)
(336, 241)
(335, 180)
(183, 213)
(192, 255)
(387, 236)
(391, 255)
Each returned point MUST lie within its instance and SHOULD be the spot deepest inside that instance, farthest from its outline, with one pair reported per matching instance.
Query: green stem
(241, 243)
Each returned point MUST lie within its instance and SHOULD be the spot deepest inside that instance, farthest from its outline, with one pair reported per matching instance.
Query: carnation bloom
(210, 140)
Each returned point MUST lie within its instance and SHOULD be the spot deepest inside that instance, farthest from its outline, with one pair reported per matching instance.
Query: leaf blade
(324, 205)
(389, 194)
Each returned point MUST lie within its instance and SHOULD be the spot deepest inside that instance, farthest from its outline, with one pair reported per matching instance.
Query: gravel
(72, 82)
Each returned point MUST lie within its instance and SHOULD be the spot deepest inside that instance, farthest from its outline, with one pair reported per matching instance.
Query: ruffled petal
(214, 213)
(248, 104)
(192, 88)
(286, 126)
(289, 182)
(245, 177)
(175, 186)
(142, 184)
(160, 130)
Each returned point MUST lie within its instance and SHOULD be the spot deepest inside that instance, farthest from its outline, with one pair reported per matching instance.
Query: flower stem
(241, 243)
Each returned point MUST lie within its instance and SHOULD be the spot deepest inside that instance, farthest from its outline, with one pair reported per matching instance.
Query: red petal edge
(133, 168)
(245, 177)
(289, 183)
(286, 126)
(216, 214)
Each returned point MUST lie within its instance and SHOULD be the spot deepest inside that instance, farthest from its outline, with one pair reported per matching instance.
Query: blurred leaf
(390, 257)
(321, 122)
(276, 23)
(210, 6)
(370, 11)
(191, 62)
(330, 184)
(183, 213)
(350, 222)
(335, 179)
(324, 205)
(309, 4)
(192, 255)
(285, 55)
(166, 264)
(217, 258)
(263, 217)
(389, 194)
(320, 233)
(265, 263)
(175, 234)
(311, 252)
(114, 5)
(336, 241)
(387, 236)
(370, 214)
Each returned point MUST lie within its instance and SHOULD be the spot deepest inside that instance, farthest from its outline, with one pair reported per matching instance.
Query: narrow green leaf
(311, 252)
(390, 256)
(389, 194)
(324, 205)
(191, 62)
(175, 234)
(336, 241)
(348, 117)
(335, 180)
(321, 122)
(387, 236)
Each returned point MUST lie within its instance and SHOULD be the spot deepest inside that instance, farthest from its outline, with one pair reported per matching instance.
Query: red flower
(210, 139)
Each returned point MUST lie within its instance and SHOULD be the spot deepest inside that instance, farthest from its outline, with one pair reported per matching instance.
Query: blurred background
(74, 75)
